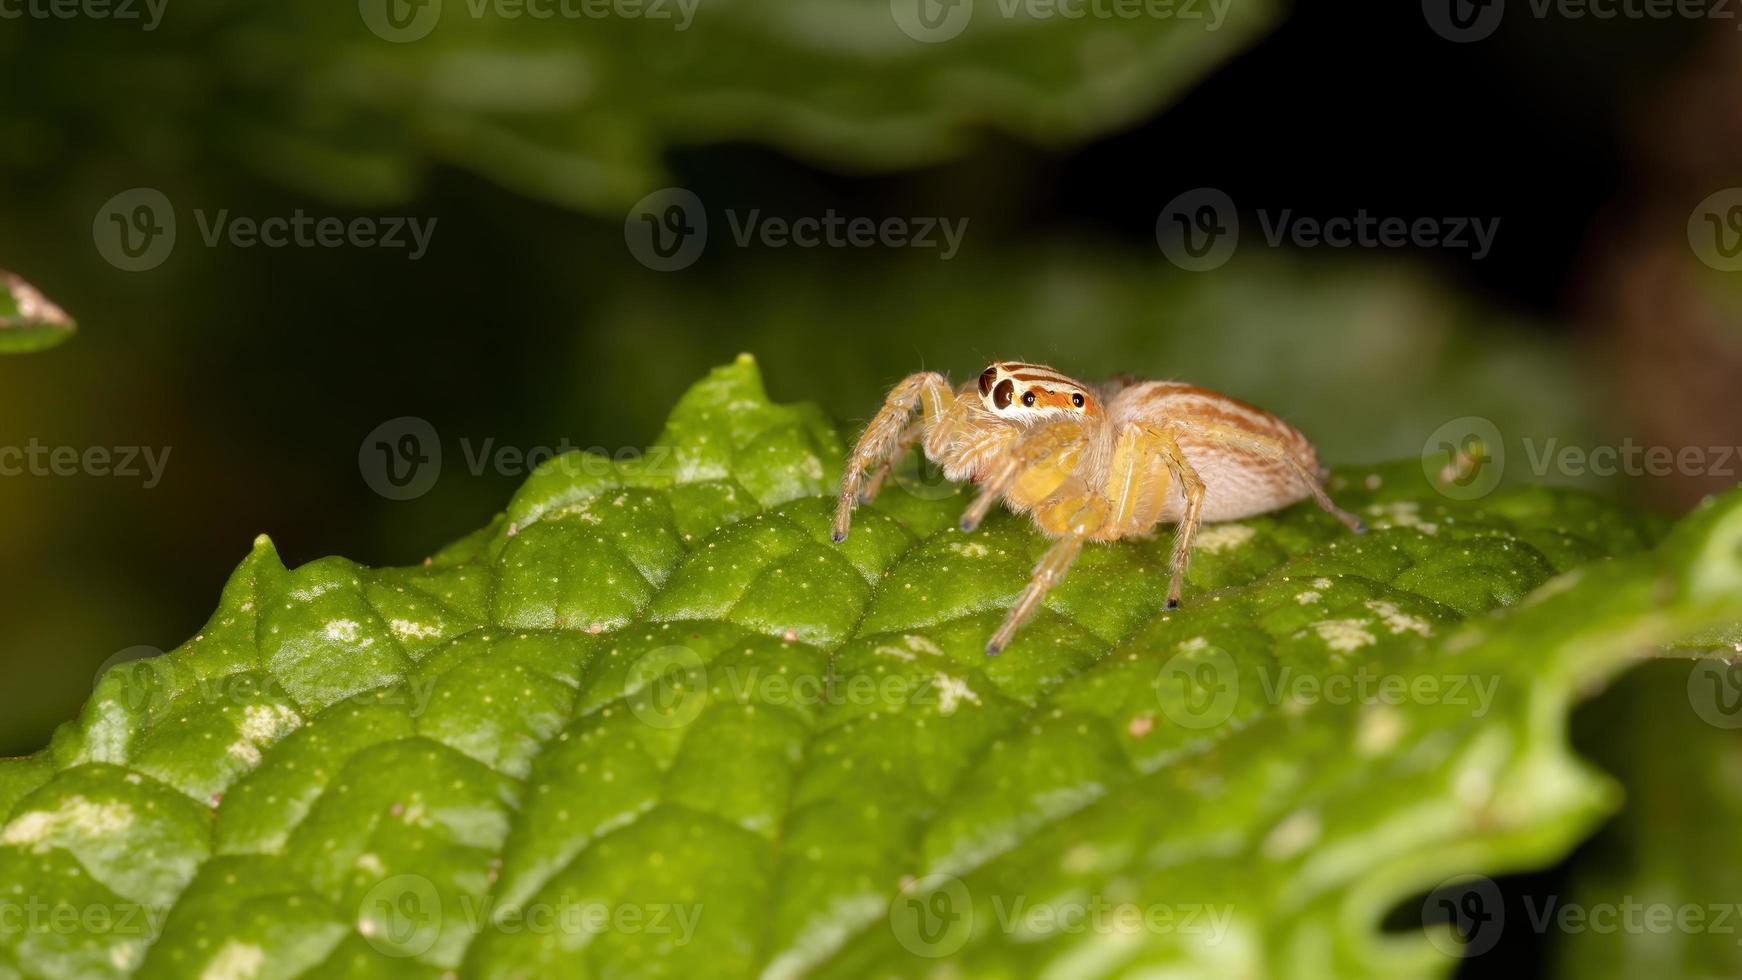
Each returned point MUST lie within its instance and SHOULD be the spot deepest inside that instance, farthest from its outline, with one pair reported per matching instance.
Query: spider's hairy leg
(1206, 430)
(1192, 489)
(909, 436)
(1084, 521)
(928, 391)
(1041, 459)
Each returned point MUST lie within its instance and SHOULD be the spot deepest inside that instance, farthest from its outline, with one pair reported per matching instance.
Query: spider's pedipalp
(1041, 459)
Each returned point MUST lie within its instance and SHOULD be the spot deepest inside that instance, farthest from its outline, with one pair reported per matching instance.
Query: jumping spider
(1089, 463)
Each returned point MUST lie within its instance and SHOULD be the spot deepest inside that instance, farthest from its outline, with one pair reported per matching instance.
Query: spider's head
(1030, 393)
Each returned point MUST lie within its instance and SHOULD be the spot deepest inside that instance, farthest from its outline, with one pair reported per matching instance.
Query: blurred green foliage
(336, 100)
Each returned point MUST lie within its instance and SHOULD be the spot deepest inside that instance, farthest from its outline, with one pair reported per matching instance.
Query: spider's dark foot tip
(968, 525)
(993, 648)
(837, 536)
(1360, 527)
(1173, 603)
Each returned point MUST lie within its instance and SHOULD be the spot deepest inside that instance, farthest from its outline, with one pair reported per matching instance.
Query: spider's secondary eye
(1077, 399)
(1001, 394)
(986, 379)
(1028, 399)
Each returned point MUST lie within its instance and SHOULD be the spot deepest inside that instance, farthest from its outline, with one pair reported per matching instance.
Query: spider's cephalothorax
(1088, 463)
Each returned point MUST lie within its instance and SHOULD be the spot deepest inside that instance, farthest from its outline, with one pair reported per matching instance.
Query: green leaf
(28, 320)
(650, 721)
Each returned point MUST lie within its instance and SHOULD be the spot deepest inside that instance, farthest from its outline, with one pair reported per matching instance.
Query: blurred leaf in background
(353, 105)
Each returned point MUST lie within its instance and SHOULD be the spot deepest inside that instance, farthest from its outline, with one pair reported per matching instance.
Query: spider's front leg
(928, 391)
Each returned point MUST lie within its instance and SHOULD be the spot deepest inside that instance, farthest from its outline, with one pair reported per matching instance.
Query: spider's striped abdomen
(1237, 482)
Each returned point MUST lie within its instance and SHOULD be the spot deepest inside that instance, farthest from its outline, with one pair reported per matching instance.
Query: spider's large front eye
(1077, 399)
(1028, 399)
(1001, 394)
